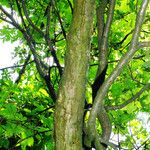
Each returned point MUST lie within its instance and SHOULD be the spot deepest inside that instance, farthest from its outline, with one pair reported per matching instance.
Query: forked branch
(99, 100)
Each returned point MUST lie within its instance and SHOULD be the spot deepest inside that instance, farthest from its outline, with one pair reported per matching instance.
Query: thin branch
(137, 95)
(20, 13)
(134, 78)
(117, 60)
(16, 66)
(126, 36)
(29, 20)
(59, 19)
(148, 139)
(21, 140)
(6, 20)
(39, 67)
(14, 23)
(70, 6)
(22, 71)
(48, 40)
(53, 53)
(30, 41)
(48, 19)
(45, 110)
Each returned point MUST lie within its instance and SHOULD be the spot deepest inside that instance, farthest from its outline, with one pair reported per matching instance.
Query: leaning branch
(15, 66)
(39, 66)
(22, 71)
(137, 95)
(6, 20)
(13, 21)
(48, 40)
(102, 115)
(71, 7)
(99, 100)
(31, 43)
(20, 13)
(103, 31)
(59, 19)
(29, 20)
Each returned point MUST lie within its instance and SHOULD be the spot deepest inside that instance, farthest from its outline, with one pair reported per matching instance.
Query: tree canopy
(81, 74)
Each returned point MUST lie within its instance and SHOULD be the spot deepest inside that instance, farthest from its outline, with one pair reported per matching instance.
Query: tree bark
(70, 105)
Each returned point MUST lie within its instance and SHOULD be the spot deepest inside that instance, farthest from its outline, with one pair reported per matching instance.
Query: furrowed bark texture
(70, 104)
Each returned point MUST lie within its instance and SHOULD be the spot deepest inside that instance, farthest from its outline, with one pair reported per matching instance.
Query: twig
(21, 140)
(14, 23)
(23, 69)
(48, 40)
(70, 6)
(148, 139)
(20, 13)
(29, 20)
(126, 36)
(59, 19)
(16, 66)
(137, 95)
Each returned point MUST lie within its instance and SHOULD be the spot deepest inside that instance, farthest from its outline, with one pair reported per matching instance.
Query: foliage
(27, 104)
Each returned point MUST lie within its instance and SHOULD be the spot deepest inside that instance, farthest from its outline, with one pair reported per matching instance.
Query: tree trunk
(70, 104)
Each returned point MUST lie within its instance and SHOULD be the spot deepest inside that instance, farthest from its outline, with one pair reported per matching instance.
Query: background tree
(96, 94)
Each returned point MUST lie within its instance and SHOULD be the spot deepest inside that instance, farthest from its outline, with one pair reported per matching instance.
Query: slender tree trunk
(70, 104)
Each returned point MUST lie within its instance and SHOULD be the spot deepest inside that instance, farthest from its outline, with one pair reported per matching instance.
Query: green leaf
(146, 66)
(116, 89)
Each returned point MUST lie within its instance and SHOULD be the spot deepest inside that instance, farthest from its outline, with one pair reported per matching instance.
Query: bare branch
(39, 66)
(30, 41)
(103, 34)
(48, 19)
(117, 60)
(112, 145)
(137, 95)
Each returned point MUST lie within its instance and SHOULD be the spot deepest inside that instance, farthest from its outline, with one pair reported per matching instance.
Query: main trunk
(70, 103)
